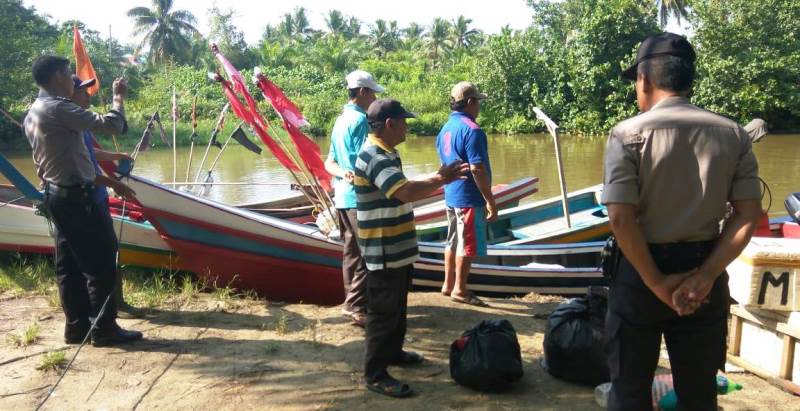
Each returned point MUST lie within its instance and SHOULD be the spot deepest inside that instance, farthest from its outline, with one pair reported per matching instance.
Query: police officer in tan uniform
(669, 173)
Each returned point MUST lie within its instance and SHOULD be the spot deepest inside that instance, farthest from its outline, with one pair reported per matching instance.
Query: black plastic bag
(573, 341)
(487, 357)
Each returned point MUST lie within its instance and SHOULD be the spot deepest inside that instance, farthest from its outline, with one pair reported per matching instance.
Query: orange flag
(83, 66)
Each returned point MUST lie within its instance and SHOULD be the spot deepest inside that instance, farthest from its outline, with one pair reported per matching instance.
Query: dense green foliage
(749, 59)
(567, 62)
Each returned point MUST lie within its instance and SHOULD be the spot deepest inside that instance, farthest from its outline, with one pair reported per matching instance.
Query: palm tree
(337, 25)
(353, 28)
(294, 25)
(438, 38)
(301, 25)
(384, 36)
(270, 33)
(675, 8)
(286, 27)
(413, 31)
(463, 35)
(166, 31)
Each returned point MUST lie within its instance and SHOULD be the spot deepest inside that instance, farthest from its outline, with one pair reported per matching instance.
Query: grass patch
(53, 361)
(282, 324)
(32, 273)
(26, 338)
(271, 348)
(21, 273)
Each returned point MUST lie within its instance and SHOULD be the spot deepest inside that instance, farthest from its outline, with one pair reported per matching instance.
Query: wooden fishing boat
(23, 230)
(286, 261)
(542, 222)
(429, 210)
(299, 198)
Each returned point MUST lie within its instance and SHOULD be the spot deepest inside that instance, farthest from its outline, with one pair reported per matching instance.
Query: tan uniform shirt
(54, 127)
(679, 164)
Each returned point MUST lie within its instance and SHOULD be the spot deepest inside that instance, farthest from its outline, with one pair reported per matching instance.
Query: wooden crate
(766, 343)
(767, 274)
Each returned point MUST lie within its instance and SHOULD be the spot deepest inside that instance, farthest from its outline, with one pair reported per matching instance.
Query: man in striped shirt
(387, 238)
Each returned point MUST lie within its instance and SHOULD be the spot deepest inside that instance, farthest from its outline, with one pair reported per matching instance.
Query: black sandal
(390, 387)
(409, 358)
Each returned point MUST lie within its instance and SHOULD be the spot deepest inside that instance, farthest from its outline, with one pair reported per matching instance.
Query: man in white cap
(349, 133)
(470, 203)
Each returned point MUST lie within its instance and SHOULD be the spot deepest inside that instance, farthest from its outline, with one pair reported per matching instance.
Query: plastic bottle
(601, 394)
(726, 386)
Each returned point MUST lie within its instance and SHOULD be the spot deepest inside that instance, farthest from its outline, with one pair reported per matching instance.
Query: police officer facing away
(668, 174)
(84, 235)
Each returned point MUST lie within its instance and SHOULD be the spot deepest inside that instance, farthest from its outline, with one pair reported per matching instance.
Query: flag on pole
(285, 107)
(248, 117)
(292, 121)
(309, 153)
(241, 137)
(83, 65)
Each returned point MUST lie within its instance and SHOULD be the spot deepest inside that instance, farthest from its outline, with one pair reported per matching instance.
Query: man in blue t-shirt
(470, 203)
(82, 98)
(349, 133)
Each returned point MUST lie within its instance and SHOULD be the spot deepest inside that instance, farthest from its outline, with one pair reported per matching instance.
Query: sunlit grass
(25, 338)
(53, 361)
(150, 289)
(21, 273)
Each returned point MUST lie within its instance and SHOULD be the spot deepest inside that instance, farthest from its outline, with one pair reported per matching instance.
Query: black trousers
(85, 259)
(636, 321)
(387, 303)
(354, 270)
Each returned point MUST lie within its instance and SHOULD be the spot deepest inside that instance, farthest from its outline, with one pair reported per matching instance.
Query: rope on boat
(12, 201)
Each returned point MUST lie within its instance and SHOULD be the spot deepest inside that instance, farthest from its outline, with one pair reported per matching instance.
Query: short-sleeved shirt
(349, 132)
(54, 127)
(462, 139)
(679, 164)
(100, 193)
(387, 235)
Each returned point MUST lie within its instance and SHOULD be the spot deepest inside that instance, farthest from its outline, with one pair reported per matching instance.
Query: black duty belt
(74, 192)
(682, 256)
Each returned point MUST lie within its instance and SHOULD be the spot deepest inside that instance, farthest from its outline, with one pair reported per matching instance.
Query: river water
(512, 157)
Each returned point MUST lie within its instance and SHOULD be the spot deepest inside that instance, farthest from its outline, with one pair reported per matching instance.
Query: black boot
(112, 334)
(124, 310)
(75, 331)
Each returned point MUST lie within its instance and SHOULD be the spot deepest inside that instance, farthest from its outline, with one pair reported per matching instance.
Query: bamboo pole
(174, 135)
(313, 182)
(292, 172)
(217, 129)
(316, 187)
(194, 134)
(552, 127)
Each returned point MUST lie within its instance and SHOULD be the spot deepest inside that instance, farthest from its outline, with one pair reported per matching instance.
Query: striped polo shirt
(387, 235)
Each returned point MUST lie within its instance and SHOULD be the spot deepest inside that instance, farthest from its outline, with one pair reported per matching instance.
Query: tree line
(567, 61)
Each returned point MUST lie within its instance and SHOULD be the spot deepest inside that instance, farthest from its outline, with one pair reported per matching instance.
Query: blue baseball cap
(79, 84)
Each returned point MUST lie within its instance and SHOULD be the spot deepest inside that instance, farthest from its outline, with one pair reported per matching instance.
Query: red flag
(292, 121)
(83, 65)
(309, 153)
(248, 117)
(279, 101)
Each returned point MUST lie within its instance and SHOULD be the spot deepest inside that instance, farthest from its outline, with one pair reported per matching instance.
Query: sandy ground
(248, 354)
